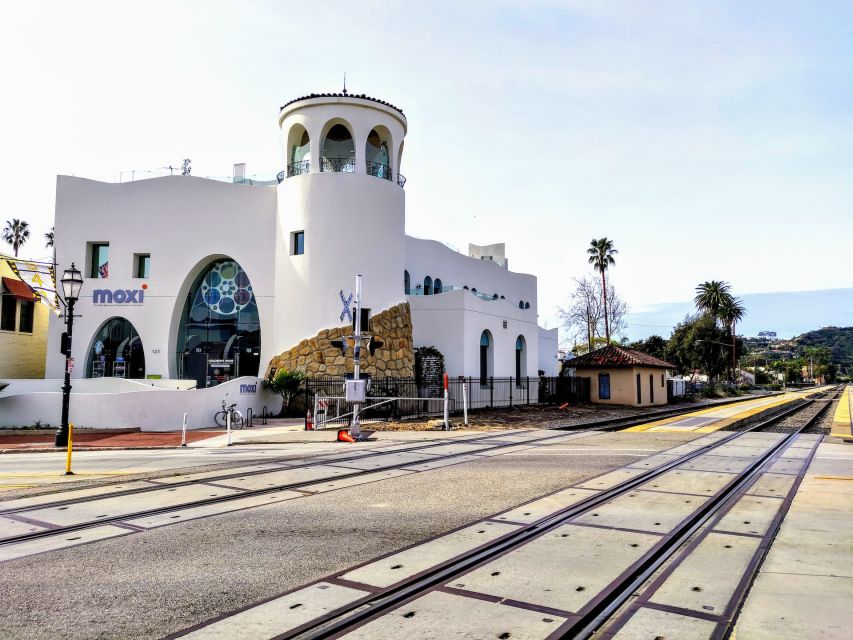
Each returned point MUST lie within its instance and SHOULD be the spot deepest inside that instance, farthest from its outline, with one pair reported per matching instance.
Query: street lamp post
(72, 282)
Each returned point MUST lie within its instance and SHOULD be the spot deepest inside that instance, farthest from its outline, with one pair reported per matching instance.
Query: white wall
(431, 258)
(151, 409)
(453, 322)
(548, 351)
(184, 223)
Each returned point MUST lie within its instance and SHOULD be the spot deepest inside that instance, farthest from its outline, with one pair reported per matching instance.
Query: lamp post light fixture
(72, 282)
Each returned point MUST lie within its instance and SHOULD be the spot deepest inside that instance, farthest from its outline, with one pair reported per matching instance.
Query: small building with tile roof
(619, 375)
(23, 326)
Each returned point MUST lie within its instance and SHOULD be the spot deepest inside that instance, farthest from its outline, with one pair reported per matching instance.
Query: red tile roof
(359, 96)
(614, 356)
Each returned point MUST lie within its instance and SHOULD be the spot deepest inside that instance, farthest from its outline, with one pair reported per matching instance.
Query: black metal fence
(422, 399)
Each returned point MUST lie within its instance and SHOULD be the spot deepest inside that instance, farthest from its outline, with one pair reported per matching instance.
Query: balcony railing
(298, 168)
(345, 165)
(379, 170)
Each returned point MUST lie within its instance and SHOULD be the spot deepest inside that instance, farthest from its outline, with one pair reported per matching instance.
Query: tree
(653, 345)
(731, 311)
(285, 383)
(48, 239)
(584, 318)
(601, 254)
(16, 233)
(697, 343)
(711, 295)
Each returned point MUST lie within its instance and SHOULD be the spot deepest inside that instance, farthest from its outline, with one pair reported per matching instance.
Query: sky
(708, 140)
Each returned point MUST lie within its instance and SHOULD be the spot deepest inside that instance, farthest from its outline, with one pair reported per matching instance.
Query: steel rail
(373, 605)
(605, 424)
(588, 624)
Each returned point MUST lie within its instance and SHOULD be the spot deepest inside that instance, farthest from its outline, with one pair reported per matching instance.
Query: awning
(19, 289)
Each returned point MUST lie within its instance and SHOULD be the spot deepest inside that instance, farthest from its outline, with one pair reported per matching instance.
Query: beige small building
(23, 327)
(619, 375)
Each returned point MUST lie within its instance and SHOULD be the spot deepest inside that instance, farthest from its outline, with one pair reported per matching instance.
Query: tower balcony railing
(379, 170)
(344, 165)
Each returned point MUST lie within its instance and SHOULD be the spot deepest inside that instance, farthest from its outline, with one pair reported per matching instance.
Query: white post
(355, 427)
(184, 432)
(465, 403)
(446, 406)
(228, 426)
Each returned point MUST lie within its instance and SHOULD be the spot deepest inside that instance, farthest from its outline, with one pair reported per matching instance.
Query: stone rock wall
(395, 359)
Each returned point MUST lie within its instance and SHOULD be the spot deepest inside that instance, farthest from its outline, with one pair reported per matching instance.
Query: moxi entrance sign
(119, 296)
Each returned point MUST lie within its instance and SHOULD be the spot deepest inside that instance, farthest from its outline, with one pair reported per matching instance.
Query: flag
(40, 277)
(104, 270)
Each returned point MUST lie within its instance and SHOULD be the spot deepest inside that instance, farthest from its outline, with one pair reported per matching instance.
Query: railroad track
(22, 513)
(374, 603)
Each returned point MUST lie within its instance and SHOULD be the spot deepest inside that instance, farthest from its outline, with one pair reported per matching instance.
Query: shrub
(285, 383)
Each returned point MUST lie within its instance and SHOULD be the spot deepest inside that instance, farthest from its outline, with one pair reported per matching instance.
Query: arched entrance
(116, 351)
(219, 334)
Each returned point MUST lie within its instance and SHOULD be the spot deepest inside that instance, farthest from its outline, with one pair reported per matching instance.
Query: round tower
(341, 211)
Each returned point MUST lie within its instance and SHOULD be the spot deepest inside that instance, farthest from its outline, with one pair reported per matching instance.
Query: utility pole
(355, 427)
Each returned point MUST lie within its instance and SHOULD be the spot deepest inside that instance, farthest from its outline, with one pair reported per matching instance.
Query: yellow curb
(833, 477)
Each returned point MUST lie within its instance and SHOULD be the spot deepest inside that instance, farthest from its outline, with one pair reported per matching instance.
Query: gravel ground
(153, 583)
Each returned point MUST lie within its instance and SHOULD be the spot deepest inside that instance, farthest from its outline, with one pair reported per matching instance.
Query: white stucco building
(205, 280)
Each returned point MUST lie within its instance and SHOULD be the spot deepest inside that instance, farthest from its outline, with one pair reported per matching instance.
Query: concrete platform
(842, 421)
(805, 586)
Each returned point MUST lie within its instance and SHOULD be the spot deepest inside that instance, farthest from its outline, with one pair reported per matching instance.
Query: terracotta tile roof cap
(615, 356)
(360, 96)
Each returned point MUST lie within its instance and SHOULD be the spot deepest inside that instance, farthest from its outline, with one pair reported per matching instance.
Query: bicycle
(221, 417)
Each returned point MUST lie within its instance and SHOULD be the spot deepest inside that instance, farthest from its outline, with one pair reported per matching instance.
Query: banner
(40, 277)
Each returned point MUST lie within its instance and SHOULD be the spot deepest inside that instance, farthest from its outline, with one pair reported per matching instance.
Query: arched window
(474, 290)
(486, 357)
(466, 287)
(494, 296)
(526, 305)
(407, 283)
(436, 287)
(338, 150)
(427, 286)
(116, 352)
(521, 304)
(376, 154)
(520, 358)
(299, 151)
(219, 337)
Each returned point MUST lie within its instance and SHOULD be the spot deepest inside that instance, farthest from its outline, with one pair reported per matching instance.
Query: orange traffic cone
(564, 406)
(344, 436)
(309, 422)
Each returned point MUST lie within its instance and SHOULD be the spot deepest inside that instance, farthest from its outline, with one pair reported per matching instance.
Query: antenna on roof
(345, 82)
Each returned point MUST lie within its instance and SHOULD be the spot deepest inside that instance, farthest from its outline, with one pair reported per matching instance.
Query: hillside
(838, 339)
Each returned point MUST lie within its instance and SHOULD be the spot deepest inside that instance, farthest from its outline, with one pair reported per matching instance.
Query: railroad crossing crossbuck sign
(346, 313)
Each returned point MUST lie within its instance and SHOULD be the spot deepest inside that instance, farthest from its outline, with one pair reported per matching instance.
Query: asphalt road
(160, 581)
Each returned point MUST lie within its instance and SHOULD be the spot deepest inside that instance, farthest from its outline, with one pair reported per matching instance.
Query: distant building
(23, 327)
(619, 375)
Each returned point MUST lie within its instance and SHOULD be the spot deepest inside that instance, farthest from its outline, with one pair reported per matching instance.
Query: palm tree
(16, 233)
(710, 296)
(48, 239)
(601, 254)
(732, 311)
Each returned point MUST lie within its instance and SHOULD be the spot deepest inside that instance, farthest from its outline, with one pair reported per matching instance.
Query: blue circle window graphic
(226, 288)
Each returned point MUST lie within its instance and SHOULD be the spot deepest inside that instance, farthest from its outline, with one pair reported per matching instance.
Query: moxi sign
(248, 388)
(119, 296)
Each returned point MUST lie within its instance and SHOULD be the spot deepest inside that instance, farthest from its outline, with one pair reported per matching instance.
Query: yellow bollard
(68, 471)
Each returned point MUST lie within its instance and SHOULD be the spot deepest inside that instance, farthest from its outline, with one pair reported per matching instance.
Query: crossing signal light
(341, 344)
(374, 344)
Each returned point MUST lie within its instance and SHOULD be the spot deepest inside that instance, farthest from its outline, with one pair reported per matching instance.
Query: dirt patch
(42, 440)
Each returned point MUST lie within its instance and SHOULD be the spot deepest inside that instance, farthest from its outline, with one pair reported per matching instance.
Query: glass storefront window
(219, 337)
(116, 352)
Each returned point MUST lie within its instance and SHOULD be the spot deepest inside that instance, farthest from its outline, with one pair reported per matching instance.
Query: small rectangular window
(25, 322)
(662, 383)
(142, 265)
(604, 386)
(8, 313)
(297, 243)
(99, 267)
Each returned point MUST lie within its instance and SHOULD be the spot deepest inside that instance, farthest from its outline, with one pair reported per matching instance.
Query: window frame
(31, 315)
(93, 270)
(138, 260)
(5, 323)
(295, 248)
